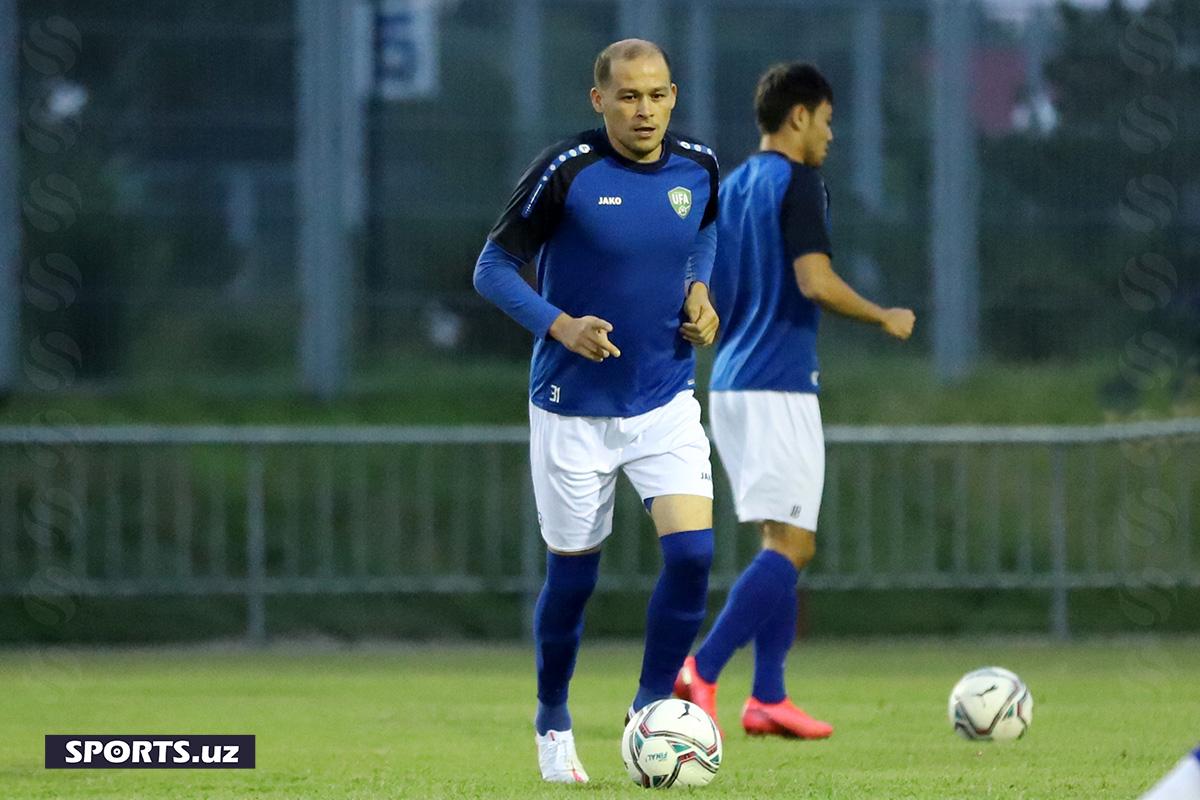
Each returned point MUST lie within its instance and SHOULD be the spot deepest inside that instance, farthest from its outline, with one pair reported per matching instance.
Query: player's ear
(799, 117)
(597, 105)
(674, 95)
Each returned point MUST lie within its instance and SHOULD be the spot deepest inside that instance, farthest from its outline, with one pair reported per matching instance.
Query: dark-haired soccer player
(772, 276)
(621, 222)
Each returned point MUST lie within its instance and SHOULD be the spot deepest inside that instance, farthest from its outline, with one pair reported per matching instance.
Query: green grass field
(450, 721)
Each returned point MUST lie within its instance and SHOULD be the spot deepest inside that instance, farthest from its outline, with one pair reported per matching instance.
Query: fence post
(527, 66)
(701, 73)
(530, 575)
(954, 194)
(10, 211)
(1058, 543)
(329, 175)
(256, 610)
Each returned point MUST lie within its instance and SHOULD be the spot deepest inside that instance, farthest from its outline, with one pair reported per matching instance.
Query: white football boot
(558, 759)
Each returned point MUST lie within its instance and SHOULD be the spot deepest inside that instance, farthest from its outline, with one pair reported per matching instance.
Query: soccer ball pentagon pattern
(991, 704)
(671, 743)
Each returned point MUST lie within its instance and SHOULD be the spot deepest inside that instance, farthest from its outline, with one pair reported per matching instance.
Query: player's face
(637, 105)
(818, 134)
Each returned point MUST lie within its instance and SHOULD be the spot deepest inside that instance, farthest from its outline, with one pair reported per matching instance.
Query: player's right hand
(898, 322)
(585, 336)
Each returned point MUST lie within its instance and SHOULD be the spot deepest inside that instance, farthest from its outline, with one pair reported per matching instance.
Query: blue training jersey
(772, 211)
(612, 238)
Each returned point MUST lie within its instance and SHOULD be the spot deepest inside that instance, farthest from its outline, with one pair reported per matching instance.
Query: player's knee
(690, 553)
(802, 555)
(798, 545)
(570, 594)
(697, 562)
(570, 580)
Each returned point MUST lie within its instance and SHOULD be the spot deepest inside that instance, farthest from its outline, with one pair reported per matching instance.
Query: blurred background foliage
(183, 135)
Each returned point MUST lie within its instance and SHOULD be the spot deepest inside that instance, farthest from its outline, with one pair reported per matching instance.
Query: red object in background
(998, 83)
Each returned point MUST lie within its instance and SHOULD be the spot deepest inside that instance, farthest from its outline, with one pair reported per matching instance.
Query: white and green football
(991, 704)
(671, 743)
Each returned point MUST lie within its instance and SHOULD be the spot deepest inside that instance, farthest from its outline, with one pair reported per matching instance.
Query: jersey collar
(785, 158)
(637, 166)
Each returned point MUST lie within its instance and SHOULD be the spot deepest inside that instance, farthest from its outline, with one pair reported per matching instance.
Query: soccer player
(1181, 783)
(772, 276)
(621, 222)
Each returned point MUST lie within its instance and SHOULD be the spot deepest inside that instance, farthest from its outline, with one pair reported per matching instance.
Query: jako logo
(609, 201)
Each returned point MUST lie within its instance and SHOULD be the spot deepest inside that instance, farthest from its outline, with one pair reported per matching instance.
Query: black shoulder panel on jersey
(804, 215)
(536, 205)
(702, 154)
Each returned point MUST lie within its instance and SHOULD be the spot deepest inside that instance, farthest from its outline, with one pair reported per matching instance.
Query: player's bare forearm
(703, 323)
(585, 336)
(820, 284)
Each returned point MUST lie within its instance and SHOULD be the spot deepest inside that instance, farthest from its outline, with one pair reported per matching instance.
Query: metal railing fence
(263, 511)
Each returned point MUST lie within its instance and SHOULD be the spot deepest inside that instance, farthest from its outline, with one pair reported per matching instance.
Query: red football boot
(690, 686)
(782, 719)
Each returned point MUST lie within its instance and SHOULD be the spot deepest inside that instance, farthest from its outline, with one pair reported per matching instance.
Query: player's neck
(624, 152)
(783, 145)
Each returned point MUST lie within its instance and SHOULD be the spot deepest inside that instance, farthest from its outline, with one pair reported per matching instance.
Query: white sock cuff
(1181, 783)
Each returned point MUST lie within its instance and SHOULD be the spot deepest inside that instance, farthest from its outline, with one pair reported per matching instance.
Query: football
(671, 743)
(991, 704)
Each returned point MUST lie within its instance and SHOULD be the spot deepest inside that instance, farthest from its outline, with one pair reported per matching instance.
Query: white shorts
(773, 449)
(575, 462)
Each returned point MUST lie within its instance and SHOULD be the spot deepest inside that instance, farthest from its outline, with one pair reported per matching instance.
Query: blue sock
(675, 612)
(771, 644)
(557, 628)
(754, 598)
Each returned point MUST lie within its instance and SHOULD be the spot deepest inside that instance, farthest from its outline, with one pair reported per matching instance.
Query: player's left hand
(701, 329)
